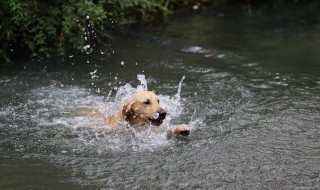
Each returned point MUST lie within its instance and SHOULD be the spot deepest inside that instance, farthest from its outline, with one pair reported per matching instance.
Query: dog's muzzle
(158, 117)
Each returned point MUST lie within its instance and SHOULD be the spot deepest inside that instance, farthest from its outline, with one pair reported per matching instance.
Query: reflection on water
(251, 95)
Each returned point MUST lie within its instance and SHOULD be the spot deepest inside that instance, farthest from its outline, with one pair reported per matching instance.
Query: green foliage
(41, 28)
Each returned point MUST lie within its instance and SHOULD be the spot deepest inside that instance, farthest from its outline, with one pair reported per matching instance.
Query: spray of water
(49, 112)
(143, 86)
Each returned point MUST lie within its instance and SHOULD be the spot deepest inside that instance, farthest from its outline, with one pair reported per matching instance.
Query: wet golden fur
(137, 111)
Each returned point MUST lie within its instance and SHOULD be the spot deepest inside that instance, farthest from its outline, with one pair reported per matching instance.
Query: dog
(142, 109)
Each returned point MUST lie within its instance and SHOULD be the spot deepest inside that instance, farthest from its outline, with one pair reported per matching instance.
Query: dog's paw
(182, 130)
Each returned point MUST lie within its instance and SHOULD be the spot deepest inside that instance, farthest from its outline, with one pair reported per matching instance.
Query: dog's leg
(178, 130)
(182, 130)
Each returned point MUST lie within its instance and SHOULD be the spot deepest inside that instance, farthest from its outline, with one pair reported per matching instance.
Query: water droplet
(221, 56)
(86, 47)
(122, 62)
(93, 72)
(87, 17)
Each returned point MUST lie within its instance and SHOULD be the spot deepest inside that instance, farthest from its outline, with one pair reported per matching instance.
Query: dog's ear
(127, 111)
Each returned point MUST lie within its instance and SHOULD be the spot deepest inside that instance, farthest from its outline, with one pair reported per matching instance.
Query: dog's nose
(162, 114)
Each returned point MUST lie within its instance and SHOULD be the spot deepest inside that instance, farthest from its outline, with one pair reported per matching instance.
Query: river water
(250, 95)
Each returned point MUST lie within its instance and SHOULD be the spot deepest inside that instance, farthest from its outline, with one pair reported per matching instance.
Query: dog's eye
(158, 101)
(147, 102)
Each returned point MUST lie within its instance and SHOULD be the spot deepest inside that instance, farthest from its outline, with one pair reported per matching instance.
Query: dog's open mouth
(157, 119)
(156, 122)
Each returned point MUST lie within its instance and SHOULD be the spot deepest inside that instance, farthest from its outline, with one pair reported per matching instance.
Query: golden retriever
(142, 109)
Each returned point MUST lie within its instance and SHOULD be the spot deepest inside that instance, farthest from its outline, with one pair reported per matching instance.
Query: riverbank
(41, 29)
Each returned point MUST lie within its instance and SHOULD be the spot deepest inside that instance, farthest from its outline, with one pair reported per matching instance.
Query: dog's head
(144, 108)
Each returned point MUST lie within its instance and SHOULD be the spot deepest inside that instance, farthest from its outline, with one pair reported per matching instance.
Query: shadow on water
(251, 96)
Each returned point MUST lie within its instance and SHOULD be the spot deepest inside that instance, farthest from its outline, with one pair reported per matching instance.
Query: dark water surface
(251, 96)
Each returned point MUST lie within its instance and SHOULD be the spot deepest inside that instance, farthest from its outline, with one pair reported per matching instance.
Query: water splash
(175, 103)
(177, 96)
(49, 113)
(143, 86)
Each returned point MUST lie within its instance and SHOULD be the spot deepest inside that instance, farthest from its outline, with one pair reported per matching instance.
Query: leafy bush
(42, 28)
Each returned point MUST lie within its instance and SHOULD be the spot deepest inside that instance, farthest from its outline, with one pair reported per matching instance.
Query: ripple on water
(245, 136)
